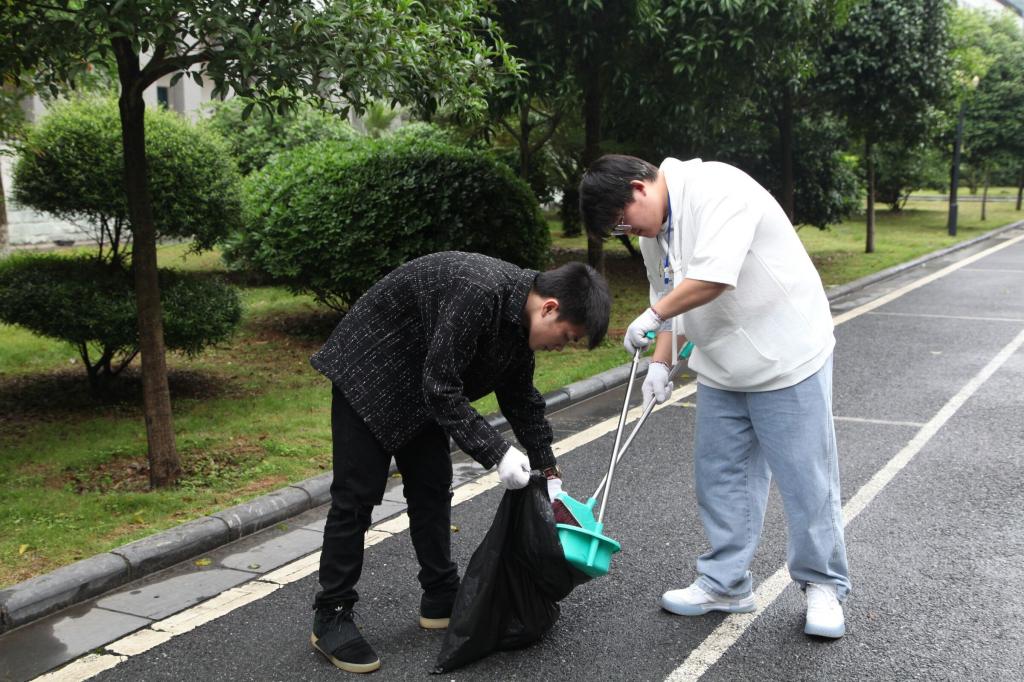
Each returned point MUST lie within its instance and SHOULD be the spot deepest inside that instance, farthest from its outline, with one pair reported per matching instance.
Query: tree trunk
(984, 196)
(592, 148)
(870, 161)
(524, 139)
(164, 465)
(786, 152)
(1020, 188)
(4, 238)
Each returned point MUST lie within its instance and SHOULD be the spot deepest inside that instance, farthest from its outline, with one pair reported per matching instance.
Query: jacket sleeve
(462, 318)
(523, 406)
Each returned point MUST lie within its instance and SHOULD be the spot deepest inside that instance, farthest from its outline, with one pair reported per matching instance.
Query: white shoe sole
(834, 632)
(681, 608)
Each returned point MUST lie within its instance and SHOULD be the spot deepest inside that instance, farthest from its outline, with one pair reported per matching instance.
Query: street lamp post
(954, 173)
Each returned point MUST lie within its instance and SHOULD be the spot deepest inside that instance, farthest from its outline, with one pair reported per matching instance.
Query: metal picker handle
(676, 369)
(618, 431)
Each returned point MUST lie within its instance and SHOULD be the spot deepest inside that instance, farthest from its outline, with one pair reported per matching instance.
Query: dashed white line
(950, 317)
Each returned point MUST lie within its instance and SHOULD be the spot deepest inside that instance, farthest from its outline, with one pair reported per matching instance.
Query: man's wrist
(657, 315)
(552, 471)
(661, 362)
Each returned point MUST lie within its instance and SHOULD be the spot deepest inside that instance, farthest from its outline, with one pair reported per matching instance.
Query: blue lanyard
(666, 272)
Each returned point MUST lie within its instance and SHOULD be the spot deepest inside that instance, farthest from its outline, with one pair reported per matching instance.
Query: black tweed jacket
(429, 338)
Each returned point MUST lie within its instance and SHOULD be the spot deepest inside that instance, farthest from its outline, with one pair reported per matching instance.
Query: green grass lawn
(252, 415)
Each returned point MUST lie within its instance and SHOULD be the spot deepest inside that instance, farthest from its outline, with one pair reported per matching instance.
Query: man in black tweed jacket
(405, 363)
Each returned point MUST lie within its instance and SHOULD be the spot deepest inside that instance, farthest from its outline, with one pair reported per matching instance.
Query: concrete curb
(37, 597)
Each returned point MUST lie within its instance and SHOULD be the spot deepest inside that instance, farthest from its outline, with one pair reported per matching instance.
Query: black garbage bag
(511, 588)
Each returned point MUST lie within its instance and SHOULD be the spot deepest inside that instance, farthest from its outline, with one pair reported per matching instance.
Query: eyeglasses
(621, 229)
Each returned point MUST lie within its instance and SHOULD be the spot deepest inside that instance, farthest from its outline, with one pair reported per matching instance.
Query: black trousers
(360, 476)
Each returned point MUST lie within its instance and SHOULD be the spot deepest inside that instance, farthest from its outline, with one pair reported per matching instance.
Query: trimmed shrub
(91, 305)
(333, 218)
(71, 165)
(253, 141)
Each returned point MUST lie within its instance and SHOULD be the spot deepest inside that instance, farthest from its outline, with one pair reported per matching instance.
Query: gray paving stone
(167, 593)
(176, 544)
(47, 643)
(465, 470)
(387, 508)
(264, 511)
(67, 585)
(274, 549)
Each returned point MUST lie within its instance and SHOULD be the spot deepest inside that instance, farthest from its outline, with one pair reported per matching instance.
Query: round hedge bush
(91, 305)
(71, 165)
(333, 218)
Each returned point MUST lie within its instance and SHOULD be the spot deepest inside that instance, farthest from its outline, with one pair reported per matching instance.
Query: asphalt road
(935, 554)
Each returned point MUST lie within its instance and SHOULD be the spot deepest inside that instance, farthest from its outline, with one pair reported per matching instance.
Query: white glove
(554, 487)
(657, 385)
(636, 333)
(514, 470)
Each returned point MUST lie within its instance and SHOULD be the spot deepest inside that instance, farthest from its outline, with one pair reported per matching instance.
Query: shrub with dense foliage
(71, 166)
(253, 140)
(333, 218)
(91, 304)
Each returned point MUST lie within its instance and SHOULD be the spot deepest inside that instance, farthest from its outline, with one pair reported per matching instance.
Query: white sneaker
(824, 612)
(695, 601)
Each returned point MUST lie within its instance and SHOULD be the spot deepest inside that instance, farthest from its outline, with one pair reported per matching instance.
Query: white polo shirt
(772, 327)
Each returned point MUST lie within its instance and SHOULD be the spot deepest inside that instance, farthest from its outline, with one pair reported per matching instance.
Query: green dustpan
(584, 547)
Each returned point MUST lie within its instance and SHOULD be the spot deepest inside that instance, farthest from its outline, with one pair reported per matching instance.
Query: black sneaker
(436, 609)
(336, 636)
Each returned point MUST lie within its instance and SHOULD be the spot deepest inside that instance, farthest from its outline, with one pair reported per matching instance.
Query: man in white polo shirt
(728, 272)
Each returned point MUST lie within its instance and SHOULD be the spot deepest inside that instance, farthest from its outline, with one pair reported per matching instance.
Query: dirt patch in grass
(312, 327)
(58, 395)
(201, 468)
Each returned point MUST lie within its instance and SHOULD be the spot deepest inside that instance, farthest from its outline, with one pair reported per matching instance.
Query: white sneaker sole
(834, 632)
(681, 608)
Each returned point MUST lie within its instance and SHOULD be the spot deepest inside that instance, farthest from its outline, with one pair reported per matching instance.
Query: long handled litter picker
(584, 546)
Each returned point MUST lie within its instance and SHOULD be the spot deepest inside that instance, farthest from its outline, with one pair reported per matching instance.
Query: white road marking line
(917, 284)
(887, 422)
(733, 627)
(308, 565)
(993, 270)
(951, 317)
(83, 668)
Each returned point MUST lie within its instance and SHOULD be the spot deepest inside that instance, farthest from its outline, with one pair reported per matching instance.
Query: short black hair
(605, 190)
(583, 297)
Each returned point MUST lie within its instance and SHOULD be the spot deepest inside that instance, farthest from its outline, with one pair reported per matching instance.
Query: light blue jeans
(742, 440)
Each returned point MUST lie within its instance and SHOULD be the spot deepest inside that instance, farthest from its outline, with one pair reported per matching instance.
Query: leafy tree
(994, 116)
(887, 70)
(71, 165)
(902, 170)
(575, 53)
(254, 139)
(340, 52)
